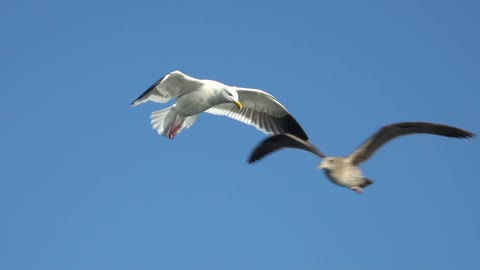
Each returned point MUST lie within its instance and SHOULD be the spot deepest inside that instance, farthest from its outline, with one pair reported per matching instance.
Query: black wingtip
(256, 156)
(433, 128)
(252, 159)
(467, 135)
(460, 133)
(290, 125)
(267, 146)
(261, 150)
(149, 89)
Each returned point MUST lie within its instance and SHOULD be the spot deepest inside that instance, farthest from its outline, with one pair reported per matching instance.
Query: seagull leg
(173, 130)
(357, 189)
(170, 131)
(176, 129)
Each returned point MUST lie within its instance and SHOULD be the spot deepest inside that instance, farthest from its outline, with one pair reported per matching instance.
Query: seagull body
(193, 96)
(345, 171)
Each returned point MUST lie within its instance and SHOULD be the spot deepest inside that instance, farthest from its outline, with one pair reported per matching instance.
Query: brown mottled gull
(344, 171)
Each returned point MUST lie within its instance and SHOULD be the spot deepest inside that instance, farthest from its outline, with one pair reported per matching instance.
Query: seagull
(344, 171)
(193, 96)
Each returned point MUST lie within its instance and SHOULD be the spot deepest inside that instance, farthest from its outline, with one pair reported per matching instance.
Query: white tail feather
(161, 120)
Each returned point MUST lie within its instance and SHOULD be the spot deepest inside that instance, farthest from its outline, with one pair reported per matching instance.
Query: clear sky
(85, 183)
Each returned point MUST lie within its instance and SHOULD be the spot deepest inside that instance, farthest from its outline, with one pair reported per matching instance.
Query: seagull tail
(162, 120)
(366, 182)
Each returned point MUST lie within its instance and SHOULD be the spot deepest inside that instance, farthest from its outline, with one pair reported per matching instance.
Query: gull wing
(280, 141)
(261, 110)
(390, 132)
(172, 85)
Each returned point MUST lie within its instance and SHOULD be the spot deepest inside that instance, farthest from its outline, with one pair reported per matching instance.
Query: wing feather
(261, 110)
(172, 85)
(390, 132)
(280, 141)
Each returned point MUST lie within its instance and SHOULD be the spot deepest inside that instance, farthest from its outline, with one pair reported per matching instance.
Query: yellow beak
(238, 104)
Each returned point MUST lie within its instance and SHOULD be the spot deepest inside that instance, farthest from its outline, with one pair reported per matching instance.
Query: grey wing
(280, 141)
(172, 85)
(387, 133)
(261, 110)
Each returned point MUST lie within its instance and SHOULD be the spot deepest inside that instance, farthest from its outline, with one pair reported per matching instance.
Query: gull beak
(321, 166)
(238, 104)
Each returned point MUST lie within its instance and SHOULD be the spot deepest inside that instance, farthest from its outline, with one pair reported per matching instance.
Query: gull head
(231, 95)
(329, 163)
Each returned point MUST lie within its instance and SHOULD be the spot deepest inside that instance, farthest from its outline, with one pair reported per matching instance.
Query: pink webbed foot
(357, 189)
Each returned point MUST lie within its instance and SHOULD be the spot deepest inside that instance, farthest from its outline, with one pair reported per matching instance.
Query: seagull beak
(238, 104)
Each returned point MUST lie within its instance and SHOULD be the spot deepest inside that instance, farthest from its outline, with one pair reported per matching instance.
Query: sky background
(85, 183)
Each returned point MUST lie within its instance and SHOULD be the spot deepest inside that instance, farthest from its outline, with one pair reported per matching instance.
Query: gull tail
(161, 120)
(367, 182)
(166, 120)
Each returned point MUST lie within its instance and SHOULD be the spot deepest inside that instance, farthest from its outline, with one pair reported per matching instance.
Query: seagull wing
(387, 133)
(172, 85)
(277, 142)
(261, 110)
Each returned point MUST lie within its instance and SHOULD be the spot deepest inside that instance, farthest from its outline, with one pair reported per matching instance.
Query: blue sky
(85, 183)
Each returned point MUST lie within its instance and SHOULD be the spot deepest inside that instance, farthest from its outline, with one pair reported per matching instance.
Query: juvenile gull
(344, 171)
(193, 96)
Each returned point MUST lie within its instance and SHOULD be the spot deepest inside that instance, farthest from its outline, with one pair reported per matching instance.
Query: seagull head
(232, 96)
(328, 163)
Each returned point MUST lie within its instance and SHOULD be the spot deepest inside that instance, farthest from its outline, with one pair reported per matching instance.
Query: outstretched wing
(277, 142)
(387, 133)
(261, 110)
(172, 85)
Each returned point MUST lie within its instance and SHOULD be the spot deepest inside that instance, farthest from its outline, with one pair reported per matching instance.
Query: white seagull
(344, 171)
(193, 96)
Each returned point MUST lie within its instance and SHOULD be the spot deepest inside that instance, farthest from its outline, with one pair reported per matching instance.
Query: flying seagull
(344, 171)
(193, 96)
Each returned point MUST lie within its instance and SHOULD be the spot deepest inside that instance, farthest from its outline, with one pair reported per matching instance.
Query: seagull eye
(230, 94)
